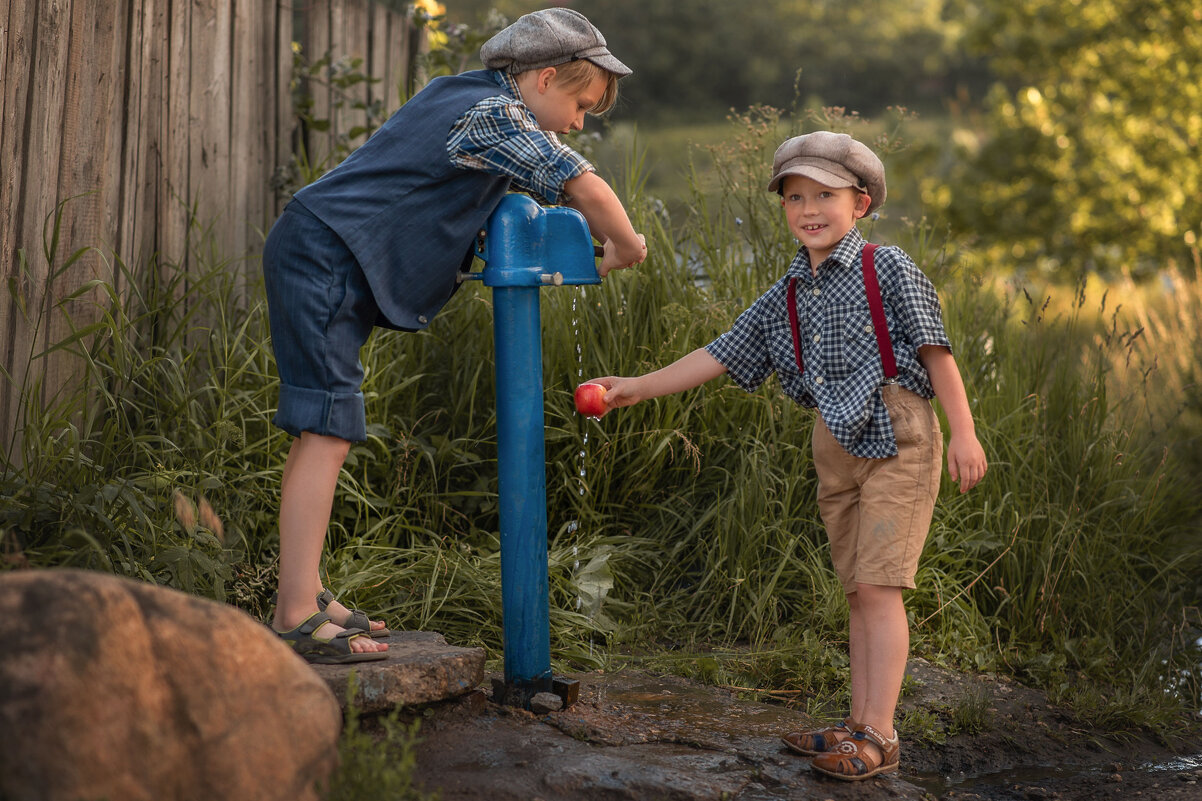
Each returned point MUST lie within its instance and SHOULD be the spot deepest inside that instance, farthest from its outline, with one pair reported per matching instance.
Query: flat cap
(548, 38)
(832, 159)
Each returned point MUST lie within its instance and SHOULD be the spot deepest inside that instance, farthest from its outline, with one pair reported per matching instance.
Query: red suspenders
(876, 307)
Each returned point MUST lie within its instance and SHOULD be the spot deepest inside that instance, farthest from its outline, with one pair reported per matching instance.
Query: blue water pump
(526, 247)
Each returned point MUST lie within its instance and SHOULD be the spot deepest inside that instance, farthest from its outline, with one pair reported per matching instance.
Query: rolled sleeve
(500, 136)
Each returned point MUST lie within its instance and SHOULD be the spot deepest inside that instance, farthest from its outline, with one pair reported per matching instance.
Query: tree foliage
(1088, 154)
(697, 59)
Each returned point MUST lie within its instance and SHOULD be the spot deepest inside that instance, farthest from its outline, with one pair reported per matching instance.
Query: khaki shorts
(877, 512)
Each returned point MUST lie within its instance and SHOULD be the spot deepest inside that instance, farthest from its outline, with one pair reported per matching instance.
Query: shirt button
(817, 337)
(868, 329)
(818, 380)
(421, 318)
(817, 291)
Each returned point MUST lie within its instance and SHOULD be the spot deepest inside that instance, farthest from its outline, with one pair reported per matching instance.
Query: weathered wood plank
(285, 140)
(402, 76)
(15, 325)
(318, 45)
(245, 155)
(39, 179)
(209, 118)
(175, 191)
(84, 153)
(377, 59)
(355, 47)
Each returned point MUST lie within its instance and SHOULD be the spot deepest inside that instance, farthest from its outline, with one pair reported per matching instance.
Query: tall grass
(693, 528)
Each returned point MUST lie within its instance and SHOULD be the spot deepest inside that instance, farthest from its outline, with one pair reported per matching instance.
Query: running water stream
(593, 581)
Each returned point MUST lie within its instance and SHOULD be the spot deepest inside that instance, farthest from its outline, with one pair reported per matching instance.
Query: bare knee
(874, 596)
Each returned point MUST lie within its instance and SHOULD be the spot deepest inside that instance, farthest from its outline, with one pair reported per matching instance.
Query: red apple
(590, 400)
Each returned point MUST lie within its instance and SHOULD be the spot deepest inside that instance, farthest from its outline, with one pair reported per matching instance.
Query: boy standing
(380, 239)
(876, 441)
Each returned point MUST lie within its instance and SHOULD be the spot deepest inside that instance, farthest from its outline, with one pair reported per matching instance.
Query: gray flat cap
(831, 159)
(548, 38)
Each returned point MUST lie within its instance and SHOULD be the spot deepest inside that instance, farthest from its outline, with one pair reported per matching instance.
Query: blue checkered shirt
(500, 135)
(843, 370)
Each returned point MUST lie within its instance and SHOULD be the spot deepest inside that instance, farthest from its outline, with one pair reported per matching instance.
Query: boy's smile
(820, 216)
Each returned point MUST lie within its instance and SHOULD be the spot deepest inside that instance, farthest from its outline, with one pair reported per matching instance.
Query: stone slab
(421, 668)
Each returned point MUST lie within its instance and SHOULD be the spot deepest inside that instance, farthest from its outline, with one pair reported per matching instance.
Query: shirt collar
(845, 254)
(507, 82)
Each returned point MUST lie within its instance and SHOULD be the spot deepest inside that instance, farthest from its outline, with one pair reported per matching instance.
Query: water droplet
(579, 602)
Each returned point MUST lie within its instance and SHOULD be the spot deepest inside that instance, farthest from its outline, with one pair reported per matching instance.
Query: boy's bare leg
(306, 498)
(879, 644)
(856, 651)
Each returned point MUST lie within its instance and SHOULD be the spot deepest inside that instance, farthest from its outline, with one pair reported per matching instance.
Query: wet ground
(639, 736)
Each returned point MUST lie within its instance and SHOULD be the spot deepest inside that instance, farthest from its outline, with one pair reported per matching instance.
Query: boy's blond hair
(577, 74)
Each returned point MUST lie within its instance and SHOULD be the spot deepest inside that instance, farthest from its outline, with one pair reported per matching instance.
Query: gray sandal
(357, 620)
(335, 650)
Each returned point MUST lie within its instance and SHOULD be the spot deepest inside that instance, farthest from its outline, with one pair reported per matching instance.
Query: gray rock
(543, 703)
(120, 689)
(420, 668)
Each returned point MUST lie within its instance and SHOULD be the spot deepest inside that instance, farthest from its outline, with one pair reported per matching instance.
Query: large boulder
(118, 689)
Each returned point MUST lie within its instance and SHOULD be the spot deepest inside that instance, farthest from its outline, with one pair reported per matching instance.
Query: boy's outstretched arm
(686, 372)
(607, 220)
(965, 456)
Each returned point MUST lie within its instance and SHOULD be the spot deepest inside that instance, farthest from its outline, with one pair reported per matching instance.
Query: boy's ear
(546, 76)
(863, 201)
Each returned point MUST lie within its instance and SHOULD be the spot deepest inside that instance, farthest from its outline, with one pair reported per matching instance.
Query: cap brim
(606, 61)
(824, 177)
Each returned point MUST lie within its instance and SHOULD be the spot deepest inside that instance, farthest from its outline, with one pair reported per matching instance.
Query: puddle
(1177, 765)
(939, 785)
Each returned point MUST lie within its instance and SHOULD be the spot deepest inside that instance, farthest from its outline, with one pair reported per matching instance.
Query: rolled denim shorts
(877, 512)
(321, 311)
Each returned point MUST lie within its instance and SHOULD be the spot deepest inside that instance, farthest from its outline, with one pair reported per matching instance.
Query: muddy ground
(644, 737)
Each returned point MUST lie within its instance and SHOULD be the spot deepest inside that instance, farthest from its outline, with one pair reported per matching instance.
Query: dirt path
(638, 736)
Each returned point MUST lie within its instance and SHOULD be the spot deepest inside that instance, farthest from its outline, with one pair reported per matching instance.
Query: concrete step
(421, 668)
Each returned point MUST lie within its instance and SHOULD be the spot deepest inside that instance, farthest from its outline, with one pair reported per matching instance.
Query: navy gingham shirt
(838, 345)
(500, 135)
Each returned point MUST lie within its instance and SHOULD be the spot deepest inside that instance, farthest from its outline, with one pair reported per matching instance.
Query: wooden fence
(140, 118)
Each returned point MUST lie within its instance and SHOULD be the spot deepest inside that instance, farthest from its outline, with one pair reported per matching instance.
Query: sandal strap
(312, 623)
(304, 640)
(358, 618)
(817, 741)
(882, 742)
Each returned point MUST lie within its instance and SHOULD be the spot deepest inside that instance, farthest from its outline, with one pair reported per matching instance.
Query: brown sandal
(853, 759)
(818, 741)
